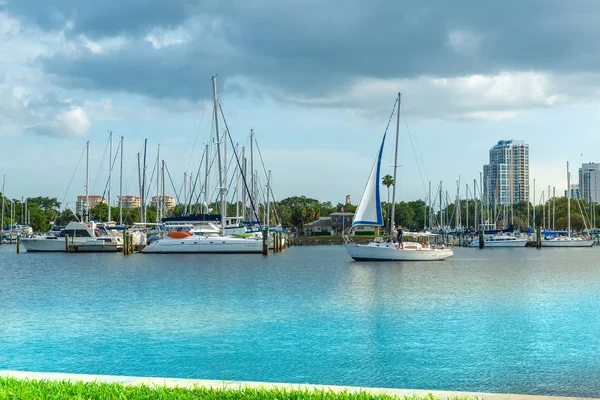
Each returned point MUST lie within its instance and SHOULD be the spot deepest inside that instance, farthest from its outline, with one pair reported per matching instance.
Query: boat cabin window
(75, 233)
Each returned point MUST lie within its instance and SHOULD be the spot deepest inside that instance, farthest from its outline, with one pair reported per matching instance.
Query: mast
(553, 207)
(393, 220)
(109, 173)
(440, 207)
(475, 203)
(87, 182)
(162, 183)
(237, 186)
(568, 202)
(144, 184)
(534, 202)
(267, 219)
(244, 175)
(481, 192)
(429, 197)
(121, 187)
(158, 184)
(467, 205)
(205, 181)
(140, 187)
(548, 222)
(185, 193)
(252, 190)
(221, 185)
(3, 197)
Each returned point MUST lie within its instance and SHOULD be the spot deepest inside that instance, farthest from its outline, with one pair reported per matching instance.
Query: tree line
(297, 211)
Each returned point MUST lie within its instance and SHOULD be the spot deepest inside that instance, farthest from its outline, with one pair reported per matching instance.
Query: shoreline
(240, 385)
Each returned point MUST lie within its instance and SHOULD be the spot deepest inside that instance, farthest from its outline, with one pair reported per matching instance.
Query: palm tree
(387, 182)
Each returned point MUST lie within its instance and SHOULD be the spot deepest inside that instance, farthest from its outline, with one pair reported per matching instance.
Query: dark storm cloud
(313, 48)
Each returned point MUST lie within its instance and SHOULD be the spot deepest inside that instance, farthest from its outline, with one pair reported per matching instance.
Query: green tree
(388, 181)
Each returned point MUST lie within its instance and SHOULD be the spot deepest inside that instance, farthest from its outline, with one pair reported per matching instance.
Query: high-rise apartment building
(589, 182)
(94, 201)
(506, 177)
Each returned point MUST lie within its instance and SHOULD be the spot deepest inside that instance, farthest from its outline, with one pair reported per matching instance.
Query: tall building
(159, 201)
(130, 201)
(589, 182)
(94, 201)
(575, 191)
(506, 177)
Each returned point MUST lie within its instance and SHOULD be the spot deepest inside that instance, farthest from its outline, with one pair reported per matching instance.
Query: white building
(575, 191)
(506, 177)
(589, 182)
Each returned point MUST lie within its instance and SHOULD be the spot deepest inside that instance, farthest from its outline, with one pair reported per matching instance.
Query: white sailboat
(369, 213)
(500, 239)
(187, 242)
(567, 241)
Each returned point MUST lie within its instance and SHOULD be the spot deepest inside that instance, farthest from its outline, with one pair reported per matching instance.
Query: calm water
(514, 320)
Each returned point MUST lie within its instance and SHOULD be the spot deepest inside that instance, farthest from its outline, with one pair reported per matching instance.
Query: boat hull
(199, 245)
(568, 243)
(34, 245)
(391, 252)
(511, 243)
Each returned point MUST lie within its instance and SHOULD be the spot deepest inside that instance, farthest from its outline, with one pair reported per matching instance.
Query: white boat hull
(498, 243)
(391, 252)
(572, 242)
(33, 245)
(196, 244)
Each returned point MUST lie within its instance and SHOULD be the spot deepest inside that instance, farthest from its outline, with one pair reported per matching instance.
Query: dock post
(67, 244)
(265, 242)
(18, 243)
(538, 238)
(481, 239)
(125, 243)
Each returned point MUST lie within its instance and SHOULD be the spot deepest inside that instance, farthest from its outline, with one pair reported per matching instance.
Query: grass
(11, 388)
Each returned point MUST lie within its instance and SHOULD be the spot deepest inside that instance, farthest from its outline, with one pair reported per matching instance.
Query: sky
(316, 80)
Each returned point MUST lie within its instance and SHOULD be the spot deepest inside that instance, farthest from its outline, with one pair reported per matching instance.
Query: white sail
(368, 211)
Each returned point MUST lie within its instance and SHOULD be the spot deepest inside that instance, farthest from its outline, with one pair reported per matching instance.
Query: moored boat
(369, 213)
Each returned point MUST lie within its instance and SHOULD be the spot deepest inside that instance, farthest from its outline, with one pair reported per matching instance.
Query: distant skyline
(315, 80)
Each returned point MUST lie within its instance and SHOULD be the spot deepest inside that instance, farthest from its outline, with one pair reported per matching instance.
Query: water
(498, 320)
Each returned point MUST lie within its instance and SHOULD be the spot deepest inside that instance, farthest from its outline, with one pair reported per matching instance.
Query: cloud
(456, 60)
(21, 111)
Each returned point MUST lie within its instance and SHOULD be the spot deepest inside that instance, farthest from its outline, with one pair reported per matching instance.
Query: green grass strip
(11, 388)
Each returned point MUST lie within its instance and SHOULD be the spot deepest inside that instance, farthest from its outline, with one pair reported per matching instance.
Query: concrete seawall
(234, 385)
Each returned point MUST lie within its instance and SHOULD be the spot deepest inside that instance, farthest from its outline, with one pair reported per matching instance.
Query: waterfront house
(335, 224)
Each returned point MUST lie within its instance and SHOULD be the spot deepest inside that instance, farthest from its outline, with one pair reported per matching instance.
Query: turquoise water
(495, 320)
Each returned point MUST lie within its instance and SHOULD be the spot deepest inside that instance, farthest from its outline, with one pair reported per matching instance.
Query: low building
(159, 201)
(93, 202)
(130, 202)
(335, 224)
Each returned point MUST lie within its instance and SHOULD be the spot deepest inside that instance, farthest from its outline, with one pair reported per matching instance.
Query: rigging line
(147, 194)
(193, 188)
(416, 152)
(100, 167)
(172, 184)
(266, 176)
(73, 176)
(410, 137)
(111, 168)
(210, 165)
(240, 167)
(196, 138)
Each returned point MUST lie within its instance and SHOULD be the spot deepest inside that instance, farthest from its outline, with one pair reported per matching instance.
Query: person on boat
(399, 237)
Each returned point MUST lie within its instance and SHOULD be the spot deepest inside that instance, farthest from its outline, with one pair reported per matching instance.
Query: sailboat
(567, 241)
(189, 242)
(369, 213)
